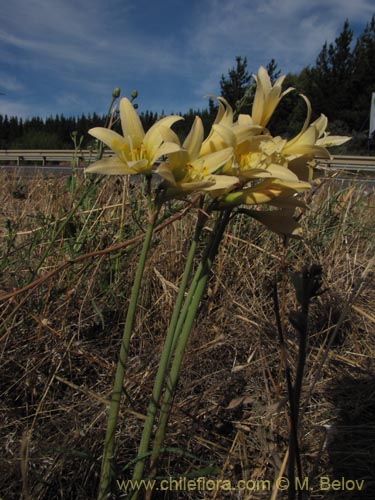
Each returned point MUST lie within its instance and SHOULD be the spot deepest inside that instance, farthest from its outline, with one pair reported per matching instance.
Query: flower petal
(153, 138)
(193, 141)
(288, 202)
(279, 221)
(131, 123)
(166, 173)
(267, 96)
(227, 135)
(273, 170)
(223, 183)
(109, 166)
(303, 167)
(167, 135)
(264, 192)
(178, 160)
(292, 142)
(245, 120)
(109, 137)
(165, 149)
(195, 186)
(214, 161)
(140, 166)
(332, 140)
(246, 132)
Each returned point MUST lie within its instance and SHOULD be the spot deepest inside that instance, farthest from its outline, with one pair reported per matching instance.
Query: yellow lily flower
(256, 153)
(267, 97)
(326, 140)
(309, 143)
(255, 156)
(241, 129)
(313, 139)
(260, 157)
(136, 151)
(188, 171)
(214, 141)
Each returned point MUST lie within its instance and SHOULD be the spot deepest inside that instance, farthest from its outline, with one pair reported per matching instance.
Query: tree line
(339, 84)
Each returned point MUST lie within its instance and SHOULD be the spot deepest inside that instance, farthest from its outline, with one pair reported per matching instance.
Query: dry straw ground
(60, 338)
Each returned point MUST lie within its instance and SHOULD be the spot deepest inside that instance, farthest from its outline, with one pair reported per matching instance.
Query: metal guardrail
(19, 156)
(48, 156)
(349, 163)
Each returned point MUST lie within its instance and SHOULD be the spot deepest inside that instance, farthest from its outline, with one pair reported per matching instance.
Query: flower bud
(116, 92)
(134, 94)
(232, 200)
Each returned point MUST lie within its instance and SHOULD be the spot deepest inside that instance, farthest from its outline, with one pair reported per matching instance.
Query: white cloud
(10, 83)
(12, 107)
(291, 31)
(41, 49)
(73, 20)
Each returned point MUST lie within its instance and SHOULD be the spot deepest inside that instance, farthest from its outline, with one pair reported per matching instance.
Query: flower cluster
(239, 163)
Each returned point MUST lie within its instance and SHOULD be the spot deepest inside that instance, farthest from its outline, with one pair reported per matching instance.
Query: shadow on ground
(352, 447)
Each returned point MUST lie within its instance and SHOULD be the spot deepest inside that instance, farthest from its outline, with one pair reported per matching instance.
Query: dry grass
(59, 344)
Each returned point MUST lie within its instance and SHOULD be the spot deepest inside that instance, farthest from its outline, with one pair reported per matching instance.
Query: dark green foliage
(328, 84)
(37, 139)
(148, 118)
(51, 133)
(234, 87)
(341, 83)
(272, 70)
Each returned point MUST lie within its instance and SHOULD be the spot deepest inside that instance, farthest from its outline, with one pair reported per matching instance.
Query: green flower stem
(188, 315)
(109, 442)
(99, 154)
(166, 353)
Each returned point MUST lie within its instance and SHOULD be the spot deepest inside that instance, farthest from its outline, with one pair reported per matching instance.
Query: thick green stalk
(166, 354)
(188, 315)
(109, 442)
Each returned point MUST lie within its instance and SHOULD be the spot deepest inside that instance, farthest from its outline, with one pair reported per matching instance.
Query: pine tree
(272, 70)
(329, 81)
(363, 78)
(234, 87)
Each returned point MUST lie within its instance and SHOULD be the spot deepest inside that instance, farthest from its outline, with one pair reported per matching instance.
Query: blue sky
(66, 56)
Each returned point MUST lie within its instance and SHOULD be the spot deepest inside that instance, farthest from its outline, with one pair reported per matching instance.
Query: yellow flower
(260, 157)
(267, 97)
(224, 121)
(136, 151)
(256, 154)
(259, 161)
(187, 171)
(311, 142)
